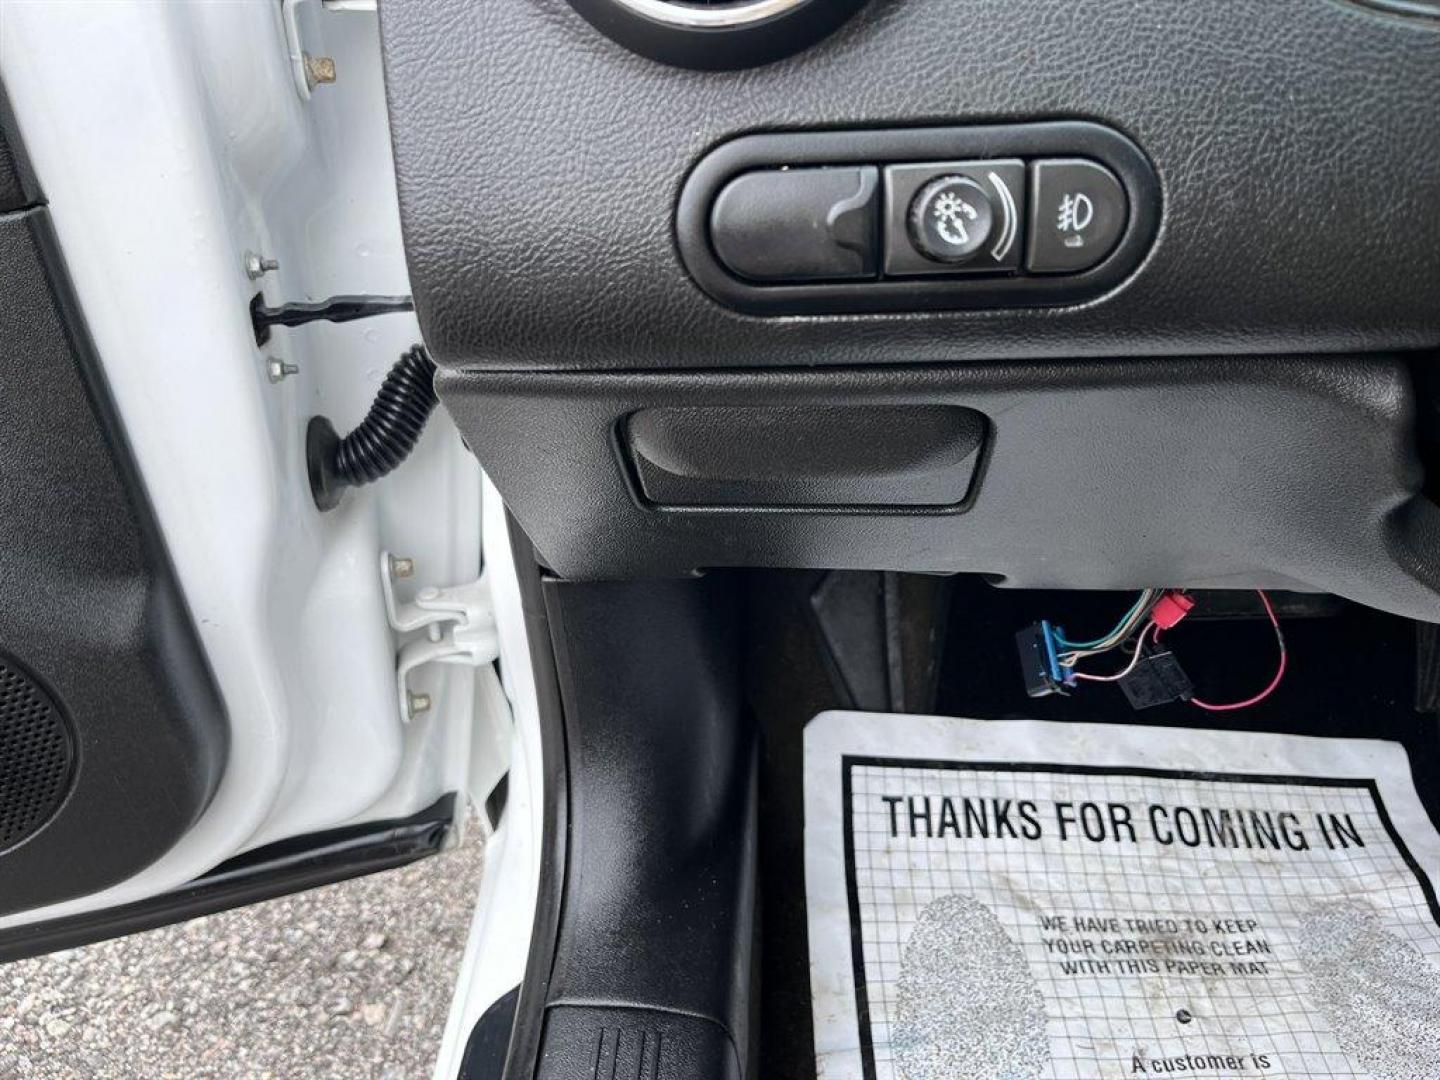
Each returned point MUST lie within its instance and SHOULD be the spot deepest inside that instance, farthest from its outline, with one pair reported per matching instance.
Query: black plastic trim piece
(1063, 138)
(19, 188)
(489, 1040)
(799, 459)
(1118, 474)
(497, 800)
(523, 1057)
(287, 866)
(1423, 10)
(663, 826)
(746, 45)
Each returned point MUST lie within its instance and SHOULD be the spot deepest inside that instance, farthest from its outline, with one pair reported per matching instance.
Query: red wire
(1279, 671)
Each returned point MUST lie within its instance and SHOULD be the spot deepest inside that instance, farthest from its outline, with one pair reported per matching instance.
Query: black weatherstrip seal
(527, 1028)
(852, 888)
(286, 866)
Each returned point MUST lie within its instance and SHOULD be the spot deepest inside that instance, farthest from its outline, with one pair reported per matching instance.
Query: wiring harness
(1151, 675)
(381, 441)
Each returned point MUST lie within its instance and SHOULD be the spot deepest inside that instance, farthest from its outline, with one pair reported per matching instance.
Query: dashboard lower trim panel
(1116, 474)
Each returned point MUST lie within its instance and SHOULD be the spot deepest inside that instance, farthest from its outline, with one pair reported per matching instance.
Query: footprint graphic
(968, 1005)
(1379, 994)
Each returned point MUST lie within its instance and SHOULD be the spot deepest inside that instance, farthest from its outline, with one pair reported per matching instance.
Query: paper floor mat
(1016, 900)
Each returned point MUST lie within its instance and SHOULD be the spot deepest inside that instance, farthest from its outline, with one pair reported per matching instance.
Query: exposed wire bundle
(1138, 650)
(1138, 615)
(1152, 675)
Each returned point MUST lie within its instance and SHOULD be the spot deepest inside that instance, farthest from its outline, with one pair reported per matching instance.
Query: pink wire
(1279, 671)
(1134, 661)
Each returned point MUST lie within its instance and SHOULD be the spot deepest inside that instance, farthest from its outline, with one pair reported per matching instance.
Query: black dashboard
(1226, 397)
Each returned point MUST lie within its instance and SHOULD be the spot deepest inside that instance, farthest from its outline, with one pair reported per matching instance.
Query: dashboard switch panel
(799, 224)
(917, 219)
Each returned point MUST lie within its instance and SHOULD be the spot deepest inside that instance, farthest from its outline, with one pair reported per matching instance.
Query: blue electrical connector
(1040, 645)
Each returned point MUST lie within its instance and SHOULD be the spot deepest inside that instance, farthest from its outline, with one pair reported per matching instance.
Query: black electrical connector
(1158, 679)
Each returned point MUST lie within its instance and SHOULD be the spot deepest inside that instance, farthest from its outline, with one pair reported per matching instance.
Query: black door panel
(89, 606)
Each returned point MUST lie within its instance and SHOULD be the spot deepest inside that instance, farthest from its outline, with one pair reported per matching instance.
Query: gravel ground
(351, 980)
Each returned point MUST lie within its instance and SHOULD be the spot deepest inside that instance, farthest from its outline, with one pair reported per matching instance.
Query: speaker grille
(37, 755)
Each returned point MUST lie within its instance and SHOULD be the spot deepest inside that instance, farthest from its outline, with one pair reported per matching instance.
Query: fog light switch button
(1078, 211)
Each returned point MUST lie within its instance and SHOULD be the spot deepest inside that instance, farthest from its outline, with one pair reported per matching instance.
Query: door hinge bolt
(279, 370)
(257, 266)
(319, 70)
(401, 567)
(417, 704)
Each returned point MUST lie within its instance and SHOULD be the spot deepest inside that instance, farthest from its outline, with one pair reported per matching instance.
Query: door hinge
(459, 625)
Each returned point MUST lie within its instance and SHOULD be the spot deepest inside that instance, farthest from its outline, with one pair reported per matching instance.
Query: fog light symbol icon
(1076, 212)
